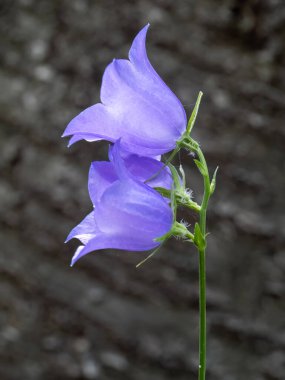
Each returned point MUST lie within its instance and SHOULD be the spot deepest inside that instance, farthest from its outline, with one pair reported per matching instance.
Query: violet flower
(145, 169)
(137, 106)
(128, 214)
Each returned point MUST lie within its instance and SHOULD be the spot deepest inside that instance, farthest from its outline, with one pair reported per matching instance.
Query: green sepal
(177, 229)
(167, 162)
(199, 238)
(181, 200)
(190, 204)
(188, 143)
(183, 177)
(175, 175)
(173, 203)
(164, 237)
(148, 257)
(200, 167)
(194, 113)
(213, 182)
(180, 230)
(164, 192)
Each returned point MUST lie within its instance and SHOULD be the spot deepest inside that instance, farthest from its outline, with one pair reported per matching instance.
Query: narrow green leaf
(183, 175)
(164, 192)
(164, 237)
(148, 257)
(213, 182)
(194, 113)
(175, 175)
(173, 204)
(199, 239)
(200, 167)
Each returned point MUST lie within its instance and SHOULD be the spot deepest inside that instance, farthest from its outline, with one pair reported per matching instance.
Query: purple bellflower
(143, 169)
(136, 107)
(127, 215)
(146, 169)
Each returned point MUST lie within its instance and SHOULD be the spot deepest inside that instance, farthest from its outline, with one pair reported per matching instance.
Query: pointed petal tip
(137, 53)
(74, 258)
(145, 27)
(69, 142)
(66, 132)
(142, 33)
(77, 255)
(68, 238)
(73, 261)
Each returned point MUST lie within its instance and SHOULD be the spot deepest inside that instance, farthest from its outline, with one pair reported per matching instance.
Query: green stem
(200, 233)
(202, 270)
(202, 315)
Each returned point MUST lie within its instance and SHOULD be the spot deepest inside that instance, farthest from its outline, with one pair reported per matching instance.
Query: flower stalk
(200, 232)
(183, 198)
(135, 195)
(202, 269)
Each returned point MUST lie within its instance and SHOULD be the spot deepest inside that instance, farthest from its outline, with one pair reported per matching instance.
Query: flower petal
(84, 136)
(138, 56)
(85, 230)
(118, 162)
(137, 107)
(101, 175)
(148, 170)
(129, 216)
(130, 208)
(140, 168)
(105, 241)
(77, 255)
(149, 124)
(94, 123)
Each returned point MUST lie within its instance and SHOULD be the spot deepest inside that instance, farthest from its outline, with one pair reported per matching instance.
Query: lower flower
(128, 214)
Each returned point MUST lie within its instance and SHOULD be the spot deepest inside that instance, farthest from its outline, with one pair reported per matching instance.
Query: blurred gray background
(105, 319)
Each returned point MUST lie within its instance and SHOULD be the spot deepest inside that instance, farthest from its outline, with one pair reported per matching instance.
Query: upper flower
(137, 106)
(128, 214)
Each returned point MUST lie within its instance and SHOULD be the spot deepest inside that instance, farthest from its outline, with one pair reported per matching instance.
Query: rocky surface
(105, 319)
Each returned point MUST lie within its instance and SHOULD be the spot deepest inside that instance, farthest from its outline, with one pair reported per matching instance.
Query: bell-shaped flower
(146, 169)
(137, 107)
(128, 214)
(143, 169)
